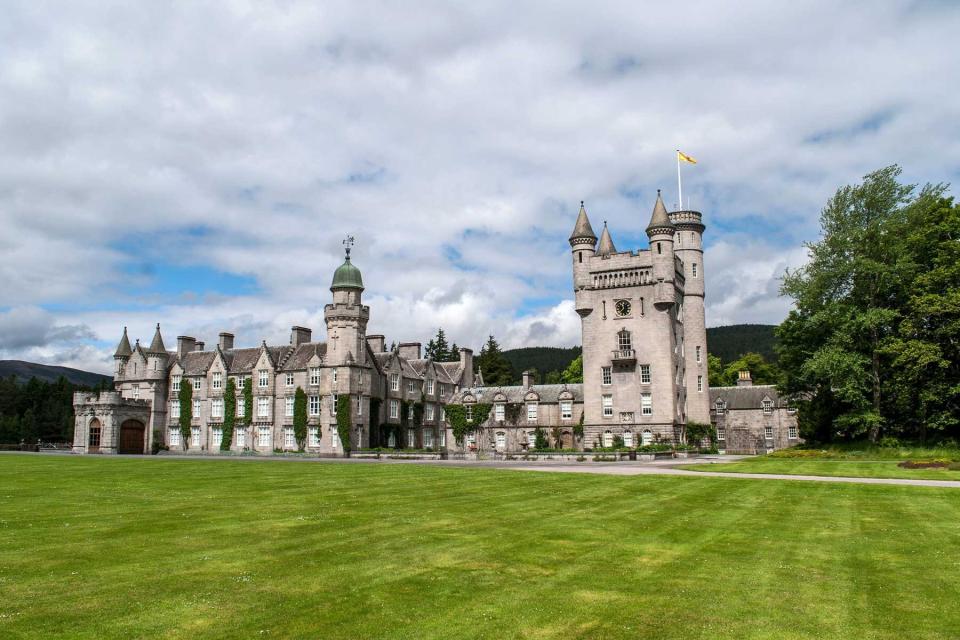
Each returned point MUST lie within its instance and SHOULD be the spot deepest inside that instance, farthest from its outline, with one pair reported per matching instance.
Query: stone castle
(644, 374)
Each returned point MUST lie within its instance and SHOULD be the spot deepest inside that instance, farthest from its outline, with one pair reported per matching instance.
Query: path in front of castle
(658, 467)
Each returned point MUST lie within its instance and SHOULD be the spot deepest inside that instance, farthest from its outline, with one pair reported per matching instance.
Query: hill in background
(730, 342)
(543, 359)
(49, 373)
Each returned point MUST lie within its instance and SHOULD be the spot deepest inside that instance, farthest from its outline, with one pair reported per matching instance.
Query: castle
(644, 374)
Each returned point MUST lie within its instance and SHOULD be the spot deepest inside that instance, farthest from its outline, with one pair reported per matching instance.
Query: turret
(157, 356)
(605, 248)
(346, 318)
(122, 354)
(661, 233)
(583, 242)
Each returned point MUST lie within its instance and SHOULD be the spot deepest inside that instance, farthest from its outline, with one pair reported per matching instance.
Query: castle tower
(689, 248)
(582, 242)
(346, 321)
(121, 355)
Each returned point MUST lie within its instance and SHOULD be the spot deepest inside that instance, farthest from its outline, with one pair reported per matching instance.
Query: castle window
(443, 437)
(394, 382)
(428, 439)
(580, 255)
(313, 404)
(411, 439)
(792, 432)
(410, 412)
(313, 437)
(196, 384)
(694, 269)
(176, 384)
(627, 439)
(658, 248)
(443, 413)
(644, 374)
(767, 407)
(646, 404)
(720, 407)
(264, 437)
(241, 437)
(335, 374)
(623, 340)
(216, 408)
(499, 412)
(607, 402)
(409, 386)
(607, 439)
(700, 384)
(217, 380)
(501, 440)
(721, 434)
(606, 376)
(174, 438)
(263, 407)
(698, 354)
(217, 437)
(241, 408)
(468, 413)
(136, 391)
(194, 436)
(429, 385)
(646, 437)
(333, 404)
(359, 405)
(471, 440)
(289, 379)
(289, 442)
(428, 413)
(314, 376)
(566, 409)
(263, 380)
(288, 407)
(768, 433)
(174, 408)
(394, 409)
(196, 409)
(531, 412)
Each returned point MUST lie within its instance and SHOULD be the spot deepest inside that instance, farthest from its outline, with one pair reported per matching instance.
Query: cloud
(243, 140)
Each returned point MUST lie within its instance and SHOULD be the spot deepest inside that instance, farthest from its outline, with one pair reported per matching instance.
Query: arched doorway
(131, 437)
(93, 436)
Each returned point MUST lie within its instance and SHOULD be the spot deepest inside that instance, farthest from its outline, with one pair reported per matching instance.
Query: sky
(198, 164)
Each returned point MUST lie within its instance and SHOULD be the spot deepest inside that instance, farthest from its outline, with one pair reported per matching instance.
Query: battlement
(687, 219)
(114, 398)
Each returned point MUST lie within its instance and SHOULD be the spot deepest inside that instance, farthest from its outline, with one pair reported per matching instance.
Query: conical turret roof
(582, 230)
(659, 219)
(123, 349)
(156, 345)
(606, 242)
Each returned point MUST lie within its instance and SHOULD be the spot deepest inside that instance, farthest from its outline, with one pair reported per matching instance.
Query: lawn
(141, 548)
(827, 467)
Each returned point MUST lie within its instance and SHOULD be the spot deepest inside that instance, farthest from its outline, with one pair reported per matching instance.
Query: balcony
(624, 356)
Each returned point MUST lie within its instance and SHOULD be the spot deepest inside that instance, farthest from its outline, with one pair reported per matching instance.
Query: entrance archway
(131, 437)
(93, 437)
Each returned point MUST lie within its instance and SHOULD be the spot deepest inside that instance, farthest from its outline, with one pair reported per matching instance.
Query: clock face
(623, 307)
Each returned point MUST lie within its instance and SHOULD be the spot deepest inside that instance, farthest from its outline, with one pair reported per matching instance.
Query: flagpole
(679, 184)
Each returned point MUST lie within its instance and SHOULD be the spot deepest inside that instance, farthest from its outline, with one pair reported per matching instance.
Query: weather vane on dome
(347, 243)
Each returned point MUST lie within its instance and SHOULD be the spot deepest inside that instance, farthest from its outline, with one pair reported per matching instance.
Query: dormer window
(720, 406)
(767, 406)
(217, 380)
(263, 380)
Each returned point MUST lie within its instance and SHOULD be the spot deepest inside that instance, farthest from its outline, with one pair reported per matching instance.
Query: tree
(437, 348)
(861, 309)
(496, 368)
(229, 414)
(573, 373)
(761, 371)
(454, 353)
(715, 371)
(186, 411)
(300, 417)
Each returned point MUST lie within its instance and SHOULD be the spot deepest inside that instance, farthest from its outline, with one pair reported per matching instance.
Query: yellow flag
(682, 156)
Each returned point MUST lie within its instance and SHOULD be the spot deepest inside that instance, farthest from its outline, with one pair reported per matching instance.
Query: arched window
(627, 438)
(94, 435)
(501, 441)
(646, 437)
(607, 438)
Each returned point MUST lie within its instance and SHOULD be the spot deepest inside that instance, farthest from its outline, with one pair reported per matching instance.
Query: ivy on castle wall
(344, 420)
(300, 418)
(229, 414)
(512, 413)
(457, 417)
(247, 400)
(186, 411)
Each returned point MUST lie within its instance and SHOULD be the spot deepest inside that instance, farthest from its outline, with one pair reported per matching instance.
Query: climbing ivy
(512, 413)
(697, 431)
(375, 421)
(344, 421)
(247, 400)
(229, 414)
(300, 417)
(540, 439)
(186, 411)
(578, 428)
(457, 417)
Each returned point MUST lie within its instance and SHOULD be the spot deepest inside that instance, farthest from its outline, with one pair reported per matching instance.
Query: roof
(517, 394)
(659, 219)
(196, 363)
(302, 354)
(123, 349)
(156, 345)
(606, 242)
(582, 229)
(347, 276)
(747, 397)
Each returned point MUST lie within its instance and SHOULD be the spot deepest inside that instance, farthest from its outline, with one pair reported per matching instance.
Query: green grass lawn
(814, 467)
(129, 548)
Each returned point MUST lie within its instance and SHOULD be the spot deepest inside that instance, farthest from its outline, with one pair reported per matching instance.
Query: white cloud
(453, 140)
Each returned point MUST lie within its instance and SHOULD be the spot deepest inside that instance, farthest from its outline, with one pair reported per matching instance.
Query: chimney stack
(299, 335)
(744, 380)
(200, 345)
(378, 343)
(226, 341)
(528, 379)
(466, 363)
(185, 344)
(410, 350)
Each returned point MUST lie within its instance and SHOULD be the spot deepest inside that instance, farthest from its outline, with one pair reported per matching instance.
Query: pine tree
(437, 348)
(497, 370)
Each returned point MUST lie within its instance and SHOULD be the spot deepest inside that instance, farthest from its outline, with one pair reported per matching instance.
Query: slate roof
(196, 363)
(156, 346)
(123, 348)
(659, 219)
(747, 397)
(301, 355)
(548, 393)
(582, 228)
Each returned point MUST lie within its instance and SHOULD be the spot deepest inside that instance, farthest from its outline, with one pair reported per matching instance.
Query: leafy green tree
(300, 417)
(496, 368)
(761, 371)
(573, 373)
(715, 371)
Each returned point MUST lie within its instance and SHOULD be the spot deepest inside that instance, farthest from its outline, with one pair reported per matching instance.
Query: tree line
(37, 409)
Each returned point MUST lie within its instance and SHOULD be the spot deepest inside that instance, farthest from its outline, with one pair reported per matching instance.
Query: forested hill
(49, 373)
(731, 342)
(543, 359)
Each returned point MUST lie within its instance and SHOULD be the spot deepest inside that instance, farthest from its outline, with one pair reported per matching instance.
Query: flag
(682, 156)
